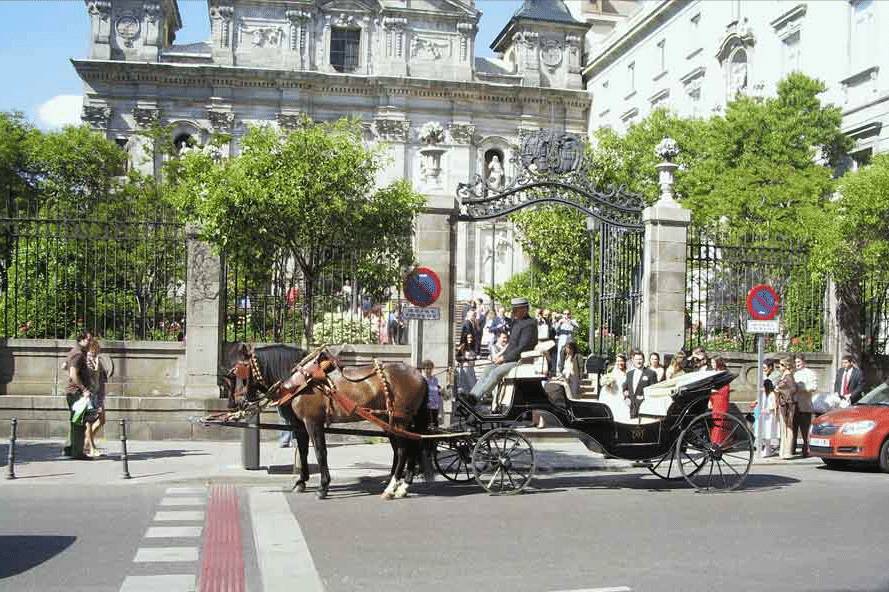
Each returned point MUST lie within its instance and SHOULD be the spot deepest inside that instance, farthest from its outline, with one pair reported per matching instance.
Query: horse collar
(255, 371)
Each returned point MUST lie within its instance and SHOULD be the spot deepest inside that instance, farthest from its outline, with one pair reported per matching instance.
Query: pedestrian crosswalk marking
(186, 490)
(166, 583)
(611, 589)
(169, 532)
(284, 555)
(164, 554)
(180, 516)
(184, 501)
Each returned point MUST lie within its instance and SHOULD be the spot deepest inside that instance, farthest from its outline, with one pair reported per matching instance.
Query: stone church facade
(406, 68)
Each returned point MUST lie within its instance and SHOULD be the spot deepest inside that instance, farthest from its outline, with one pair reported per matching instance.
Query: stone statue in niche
(495, 172)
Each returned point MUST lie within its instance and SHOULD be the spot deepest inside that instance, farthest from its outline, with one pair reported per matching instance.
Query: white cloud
(59, 111)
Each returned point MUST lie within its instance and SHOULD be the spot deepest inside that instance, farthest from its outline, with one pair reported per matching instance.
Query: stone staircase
(588, 387)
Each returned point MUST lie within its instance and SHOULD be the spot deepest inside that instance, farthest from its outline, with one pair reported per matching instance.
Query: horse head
(237, 381)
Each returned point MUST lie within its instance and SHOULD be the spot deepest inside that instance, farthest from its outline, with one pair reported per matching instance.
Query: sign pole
(419, 348)
(760, 393)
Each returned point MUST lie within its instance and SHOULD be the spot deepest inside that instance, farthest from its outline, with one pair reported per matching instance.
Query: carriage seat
(534, 363)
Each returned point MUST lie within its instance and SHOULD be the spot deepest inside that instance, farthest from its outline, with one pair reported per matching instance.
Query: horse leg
(316, 432)
(404, 454)
(302, 456)
(397, 471)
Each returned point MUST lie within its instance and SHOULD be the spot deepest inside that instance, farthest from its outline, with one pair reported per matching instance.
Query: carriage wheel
(452, 459)
(503, 461)
(716, 452)
(668, 467)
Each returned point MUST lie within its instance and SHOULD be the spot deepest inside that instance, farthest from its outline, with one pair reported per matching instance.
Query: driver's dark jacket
(522, 338)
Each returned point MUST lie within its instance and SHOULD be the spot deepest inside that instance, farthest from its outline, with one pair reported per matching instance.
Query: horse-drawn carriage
(674, 433)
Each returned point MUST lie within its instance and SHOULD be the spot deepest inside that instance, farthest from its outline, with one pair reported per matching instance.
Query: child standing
(434, 398)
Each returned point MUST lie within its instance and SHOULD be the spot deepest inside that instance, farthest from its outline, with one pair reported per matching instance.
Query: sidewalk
(40, 461)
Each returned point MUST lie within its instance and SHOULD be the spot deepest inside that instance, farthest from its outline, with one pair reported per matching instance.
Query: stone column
(204, 308)
(664, 282)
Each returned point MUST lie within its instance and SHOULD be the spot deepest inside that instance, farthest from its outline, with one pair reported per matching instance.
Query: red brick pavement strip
(222, 559)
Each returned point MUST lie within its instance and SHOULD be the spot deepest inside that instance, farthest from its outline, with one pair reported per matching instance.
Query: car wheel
(884, 456)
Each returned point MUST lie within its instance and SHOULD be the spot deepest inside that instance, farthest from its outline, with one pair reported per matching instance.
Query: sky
(39, 37)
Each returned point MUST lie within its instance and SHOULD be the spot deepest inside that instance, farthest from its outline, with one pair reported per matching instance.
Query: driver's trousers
(495, 373)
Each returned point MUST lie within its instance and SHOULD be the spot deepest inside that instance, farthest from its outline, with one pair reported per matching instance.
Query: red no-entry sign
(422, 287)
(763, 302)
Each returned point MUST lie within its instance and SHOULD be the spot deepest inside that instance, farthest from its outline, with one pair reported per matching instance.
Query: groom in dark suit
(849, 383)
(637, 379)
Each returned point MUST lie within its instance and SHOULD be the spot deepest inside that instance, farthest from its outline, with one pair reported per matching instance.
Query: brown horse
(256, 370)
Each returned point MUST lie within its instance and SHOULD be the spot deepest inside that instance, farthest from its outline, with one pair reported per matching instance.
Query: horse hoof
(401, 491)
(386, 495)
(322, 494)
(300, 487)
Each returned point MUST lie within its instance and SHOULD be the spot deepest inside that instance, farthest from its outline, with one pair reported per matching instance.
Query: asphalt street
(794, 528)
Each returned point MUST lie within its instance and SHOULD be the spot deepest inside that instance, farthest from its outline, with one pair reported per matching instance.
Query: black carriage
(675, 434)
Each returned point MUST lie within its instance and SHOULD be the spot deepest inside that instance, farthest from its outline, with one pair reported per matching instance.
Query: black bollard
(10, 457)
(123, 449)
(250, 444)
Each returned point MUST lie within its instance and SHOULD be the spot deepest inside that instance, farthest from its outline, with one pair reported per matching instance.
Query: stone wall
(745, 365)
(147, 389)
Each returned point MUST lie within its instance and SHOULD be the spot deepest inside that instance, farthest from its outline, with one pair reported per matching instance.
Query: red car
(856, 433)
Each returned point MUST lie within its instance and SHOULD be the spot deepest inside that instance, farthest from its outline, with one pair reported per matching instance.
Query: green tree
(852, 246)
(310, 194)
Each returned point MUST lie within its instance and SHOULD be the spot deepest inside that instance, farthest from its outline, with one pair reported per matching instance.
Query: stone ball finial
(667, 149)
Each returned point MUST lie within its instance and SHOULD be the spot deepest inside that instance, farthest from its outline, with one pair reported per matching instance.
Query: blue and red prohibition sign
(422, 286)
(763, 302)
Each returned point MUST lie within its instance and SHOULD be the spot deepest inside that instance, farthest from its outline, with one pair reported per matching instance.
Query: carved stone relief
(261, 36)
(551, 54)
(430, 49)
(290, 120)
(394, 27)
(152, 11)
(128, 28)
(100, 15)
(145, 116)
(96, 115)
(392, 130)
(220, 119)
(461, 133)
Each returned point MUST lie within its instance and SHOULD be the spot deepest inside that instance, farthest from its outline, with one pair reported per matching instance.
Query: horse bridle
(244, 371)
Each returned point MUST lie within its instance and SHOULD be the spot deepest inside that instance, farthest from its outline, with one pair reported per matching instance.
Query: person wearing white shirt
(807, 381)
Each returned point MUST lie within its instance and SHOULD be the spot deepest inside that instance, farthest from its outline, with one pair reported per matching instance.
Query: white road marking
(167, 583)
(186, 490)
(183, 501)
(163, 554)
(612, 589)
(180, 516)
(172, 532)
(281, 548)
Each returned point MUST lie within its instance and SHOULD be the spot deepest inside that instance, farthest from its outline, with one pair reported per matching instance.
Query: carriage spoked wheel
(453, 458)
(668, 468)
(716, 452)
(503, 461)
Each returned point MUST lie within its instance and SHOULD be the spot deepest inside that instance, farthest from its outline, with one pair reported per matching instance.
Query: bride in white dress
(612, 391)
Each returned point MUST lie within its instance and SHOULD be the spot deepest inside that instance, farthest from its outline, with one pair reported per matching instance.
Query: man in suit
(522, 338)
(849, 384)
(637, 379)
(471, 325)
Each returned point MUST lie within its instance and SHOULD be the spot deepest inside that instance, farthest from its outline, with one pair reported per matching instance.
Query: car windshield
(878, 396)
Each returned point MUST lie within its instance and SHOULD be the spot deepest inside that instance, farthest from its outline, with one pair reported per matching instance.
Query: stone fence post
(664, 282)
(203, 308)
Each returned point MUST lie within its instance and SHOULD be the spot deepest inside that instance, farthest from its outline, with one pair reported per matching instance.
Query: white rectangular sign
(417, 313)
(754, 326)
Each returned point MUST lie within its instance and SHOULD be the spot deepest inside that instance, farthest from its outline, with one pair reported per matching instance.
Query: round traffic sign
(422, 287)
(763, 302)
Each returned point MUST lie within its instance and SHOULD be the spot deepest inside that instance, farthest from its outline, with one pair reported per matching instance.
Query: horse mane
(277, 361)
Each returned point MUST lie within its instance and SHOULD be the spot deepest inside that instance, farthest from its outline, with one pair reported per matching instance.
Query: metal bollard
(10, 457)
(250, 444)
(123, 449)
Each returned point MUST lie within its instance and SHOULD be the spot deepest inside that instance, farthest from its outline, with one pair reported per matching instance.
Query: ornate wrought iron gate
(551, 168)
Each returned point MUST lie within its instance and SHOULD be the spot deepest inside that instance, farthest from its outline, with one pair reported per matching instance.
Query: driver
(522, 338)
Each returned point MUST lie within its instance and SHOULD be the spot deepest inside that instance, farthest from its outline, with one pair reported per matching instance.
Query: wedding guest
(654, 363)
(807, 383)
(719, 403)
(677, 366)
(786, 390)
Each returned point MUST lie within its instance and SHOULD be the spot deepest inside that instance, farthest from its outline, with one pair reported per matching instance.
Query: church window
(344, 49)
(790, 46)
(862, 38)
(737, 73)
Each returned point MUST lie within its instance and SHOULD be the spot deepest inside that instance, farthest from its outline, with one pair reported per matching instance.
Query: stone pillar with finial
(664, 280)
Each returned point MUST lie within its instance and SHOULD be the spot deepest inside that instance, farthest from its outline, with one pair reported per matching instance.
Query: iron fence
(719, 274)
(90, 265)
(875, 316)
(355, 300)
(616, 290)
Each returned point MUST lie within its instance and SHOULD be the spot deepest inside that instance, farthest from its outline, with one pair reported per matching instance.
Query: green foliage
(310, 194)
(337, 329)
